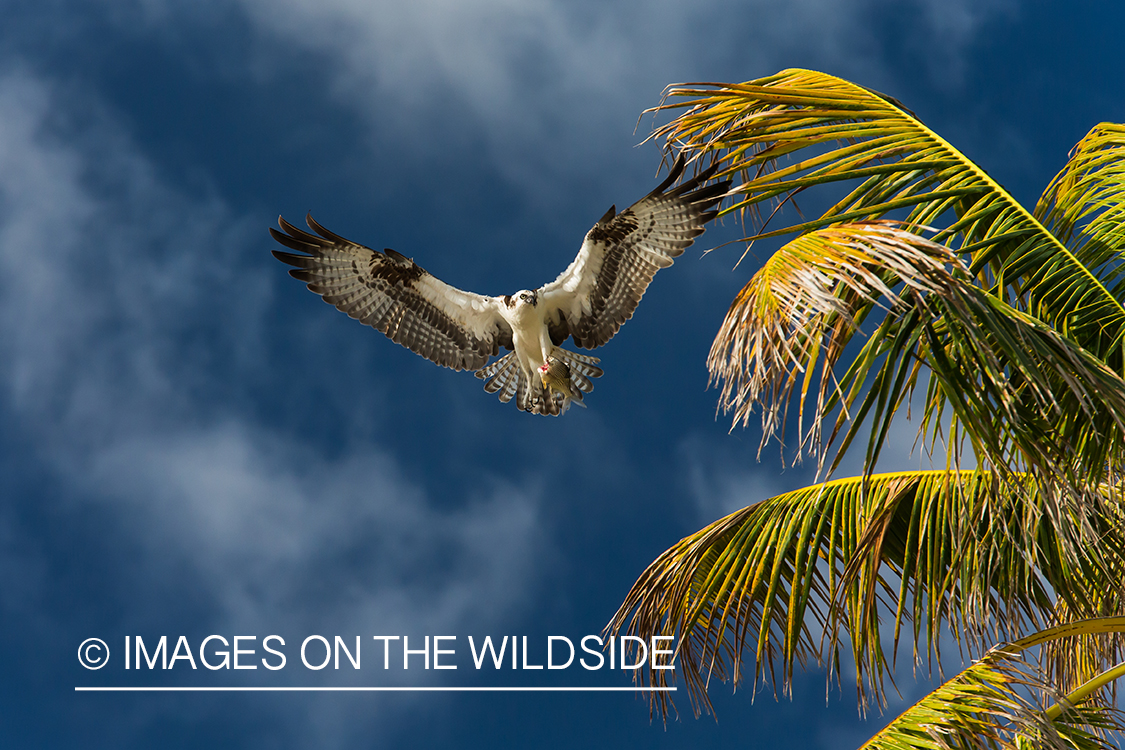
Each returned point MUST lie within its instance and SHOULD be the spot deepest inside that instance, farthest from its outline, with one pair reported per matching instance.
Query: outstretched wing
(392, 294)
(598, 292)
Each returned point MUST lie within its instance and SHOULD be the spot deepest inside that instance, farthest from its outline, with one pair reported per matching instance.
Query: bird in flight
(461, 330)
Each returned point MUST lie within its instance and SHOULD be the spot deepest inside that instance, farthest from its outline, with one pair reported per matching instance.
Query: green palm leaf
(1085, 204)
(1013, 323)
(999, 702)
(931, 549)
(786, 133)
(857, 135)
(1072, 661)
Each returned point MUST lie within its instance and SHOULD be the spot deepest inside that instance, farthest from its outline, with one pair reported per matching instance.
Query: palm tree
(925, 276)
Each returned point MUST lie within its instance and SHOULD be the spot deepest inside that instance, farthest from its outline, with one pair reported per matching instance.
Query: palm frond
(926, 550)
(1071, 661)
(1000, 702)
(786, 133)
(1028, 396)
(804, 306)
(993, 704)
(1085, 203)
(852, 134)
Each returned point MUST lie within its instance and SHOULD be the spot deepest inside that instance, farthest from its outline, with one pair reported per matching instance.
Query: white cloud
(540, 81)
(123, 303)
(269, 533)
(498, 55)
(102, 266)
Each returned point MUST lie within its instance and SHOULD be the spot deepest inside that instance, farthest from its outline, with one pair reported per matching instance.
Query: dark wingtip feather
(706, 174)
(396, 256)
(694, 186)
(291, 242)
(710, 195)
(289, 228)
(308, 242)
(300, 261)
(673, 175)
(325, 233)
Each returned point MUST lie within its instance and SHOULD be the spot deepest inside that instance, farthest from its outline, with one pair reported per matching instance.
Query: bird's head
(524, 298)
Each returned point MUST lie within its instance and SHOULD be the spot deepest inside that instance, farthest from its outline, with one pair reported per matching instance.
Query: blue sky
(193, 444)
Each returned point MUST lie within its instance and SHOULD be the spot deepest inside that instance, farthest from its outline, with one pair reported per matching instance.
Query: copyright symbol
(93, 653)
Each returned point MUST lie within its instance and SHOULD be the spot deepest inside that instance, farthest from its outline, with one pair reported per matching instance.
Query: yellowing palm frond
(805, 304)
(1028, 396)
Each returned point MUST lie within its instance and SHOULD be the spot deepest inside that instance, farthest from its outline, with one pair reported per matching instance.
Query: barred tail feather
(505, 378)
(503, 375)
(583, 367)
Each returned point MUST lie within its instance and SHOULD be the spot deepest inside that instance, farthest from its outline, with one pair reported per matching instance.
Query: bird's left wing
(599, 291)
(392, 294)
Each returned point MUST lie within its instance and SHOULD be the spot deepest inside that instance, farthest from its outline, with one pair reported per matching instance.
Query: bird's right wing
(599, 291)
(392, 294)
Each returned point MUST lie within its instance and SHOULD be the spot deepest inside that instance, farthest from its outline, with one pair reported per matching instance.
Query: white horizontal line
(373, 689)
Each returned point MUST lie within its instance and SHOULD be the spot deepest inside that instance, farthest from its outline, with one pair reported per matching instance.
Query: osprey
(587, 302)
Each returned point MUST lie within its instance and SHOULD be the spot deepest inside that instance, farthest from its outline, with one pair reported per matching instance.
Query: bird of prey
(588, 302)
